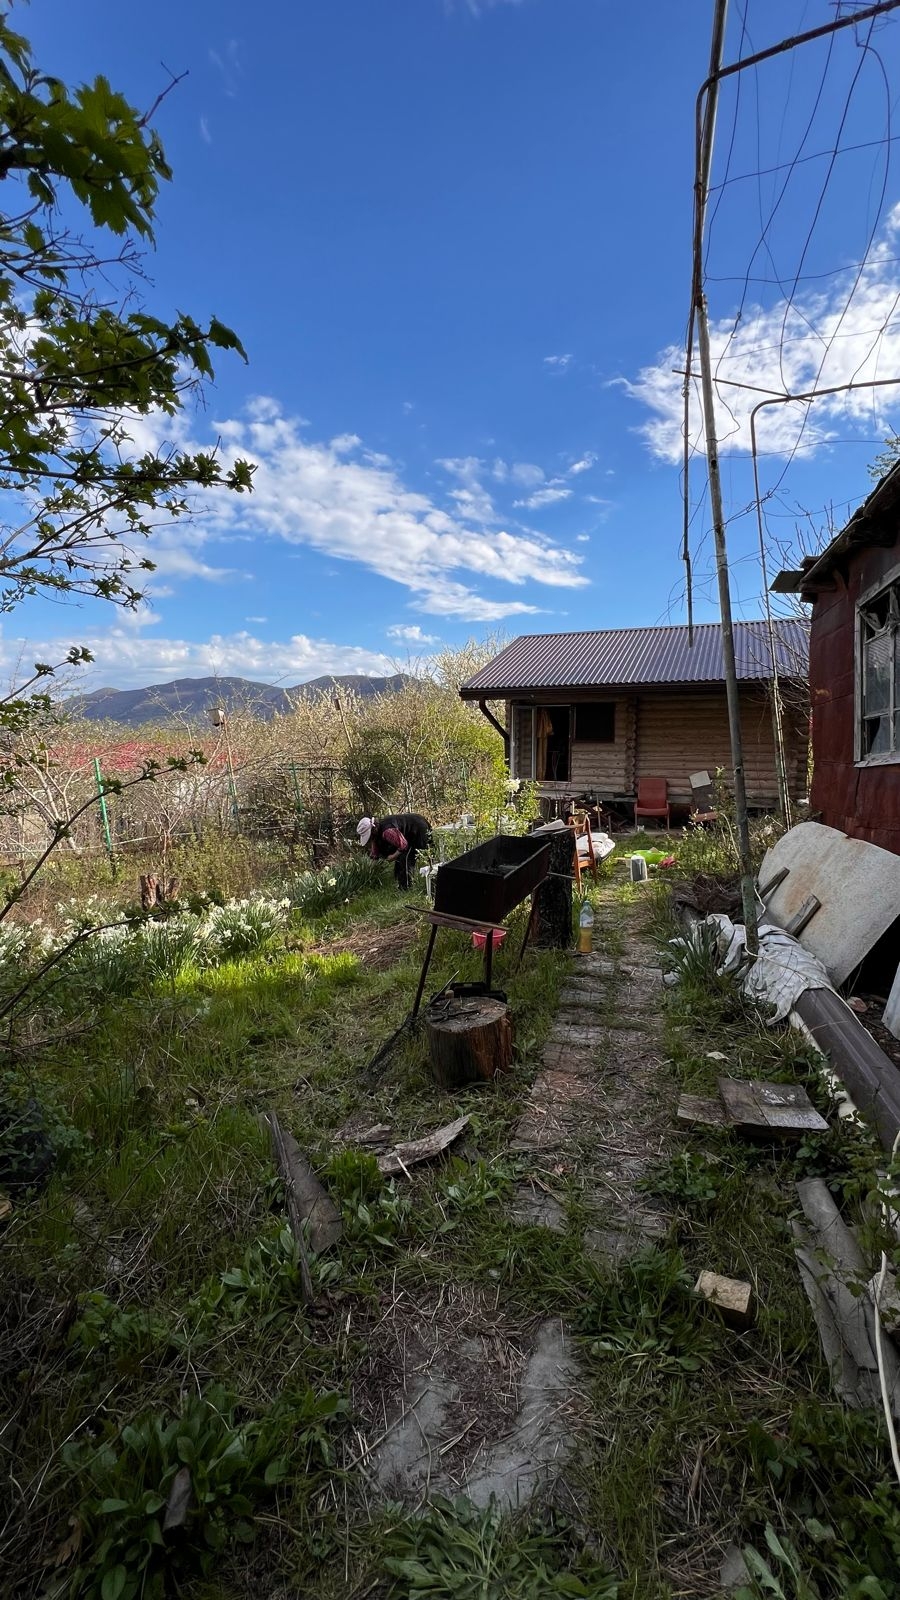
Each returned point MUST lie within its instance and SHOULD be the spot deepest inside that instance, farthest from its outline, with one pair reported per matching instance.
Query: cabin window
(595, 723)
(879, 676)
(541, 744)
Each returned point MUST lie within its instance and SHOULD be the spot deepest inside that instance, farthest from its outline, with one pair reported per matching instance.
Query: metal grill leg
(424, 973)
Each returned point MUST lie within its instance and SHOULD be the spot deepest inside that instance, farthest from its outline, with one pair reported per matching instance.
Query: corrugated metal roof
(618, 657)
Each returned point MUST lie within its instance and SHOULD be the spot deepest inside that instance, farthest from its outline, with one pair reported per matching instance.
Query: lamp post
(220, 720)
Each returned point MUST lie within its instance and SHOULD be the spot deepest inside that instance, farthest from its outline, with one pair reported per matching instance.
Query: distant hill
(191, 698)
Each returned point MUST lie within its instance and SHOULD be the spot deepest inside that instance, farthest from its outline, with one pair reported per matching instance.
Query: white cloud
(205, 134)
(125, 659)
(257, 620)
(814, 343)
(545, 497)
(587, 461)
(227, 63)
(558, 363)
(411, 633)
(351, 508)
(352, 504)
(583, 538)
(176, 561)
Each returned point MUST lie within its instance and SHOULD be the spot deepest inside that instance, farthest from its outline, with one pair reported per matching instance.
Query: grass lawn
(151, 1319)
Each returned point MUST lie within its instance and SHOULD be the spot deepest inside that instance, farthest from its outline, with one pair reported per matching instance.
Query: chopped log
(553, 897)
(731, 1297)
(469, 1038)
(782, 1109)
(413, 1151)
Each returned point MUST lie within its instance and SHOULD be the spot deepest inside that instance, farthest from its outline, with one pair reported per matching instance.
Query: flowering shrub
(314, 893)
(241, 927)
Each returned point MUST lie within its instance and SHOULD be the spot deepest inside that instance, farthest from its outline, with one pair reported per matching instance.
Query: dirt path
(465, 1400)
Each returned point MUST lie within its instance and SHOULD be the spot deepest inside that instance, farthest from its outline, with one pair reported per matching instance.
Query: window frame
(882, 758)
(582, 705)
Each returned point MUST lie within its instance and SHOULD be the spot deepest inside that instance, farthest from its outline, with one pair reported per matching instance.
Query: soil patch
(376, 948)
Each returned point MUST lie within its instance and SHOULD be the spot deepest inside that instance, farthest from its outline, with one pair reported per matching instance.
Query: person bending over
(395, 839)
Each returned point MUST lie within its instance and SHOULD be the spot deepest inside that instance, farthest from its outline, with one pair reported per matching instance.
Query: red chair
(652, 799)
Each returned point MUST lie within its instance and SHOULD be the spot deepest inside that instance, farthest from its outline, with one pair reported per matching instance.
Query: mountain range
(190, 698)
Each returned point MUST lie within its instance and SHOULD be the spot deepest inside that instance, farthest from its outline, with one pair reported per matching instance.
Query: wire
(879, 1343)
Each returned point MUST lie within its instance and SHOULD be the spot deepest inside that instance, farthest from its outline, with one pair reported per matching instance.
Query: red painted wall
(862, 801)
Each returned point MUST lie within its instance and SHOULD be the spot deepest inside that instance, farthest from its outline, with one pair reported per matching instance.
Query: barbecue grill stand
(495, 876)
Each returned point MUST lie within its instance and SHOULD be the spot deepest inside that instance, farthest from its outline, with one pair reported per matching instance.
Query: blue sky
(454, 238)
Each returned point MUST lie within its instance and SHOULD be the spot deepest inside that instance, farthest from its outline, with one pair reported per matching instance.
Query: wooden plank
(756, 1106)
(444, 919)
(697, 1108)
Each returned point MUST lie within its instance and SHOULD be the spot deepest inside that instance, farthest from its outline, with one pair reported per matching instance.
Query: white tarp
(782, 971)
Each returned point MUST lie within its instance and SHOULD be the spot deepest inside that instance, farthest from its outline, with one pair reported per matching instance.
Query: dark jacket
(416, 831)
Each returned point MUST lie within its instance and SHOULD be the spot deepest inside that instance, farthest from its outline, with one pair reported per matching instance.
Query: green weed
(219, 1468)
(454, 1551)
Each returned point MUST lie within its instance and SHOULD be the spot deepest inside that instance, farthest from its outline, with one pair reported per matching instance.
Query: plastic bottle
(586, 929)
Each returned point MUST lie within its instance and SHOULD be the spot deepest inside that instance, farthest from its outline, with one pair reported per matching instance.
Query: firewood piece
(731, 1297)
(469, 1038)
(776, 1109)
(314, 1205)
(380, 1134)
(697, 1108)
(179, 1501)
(296, 1219)
(415, 1150)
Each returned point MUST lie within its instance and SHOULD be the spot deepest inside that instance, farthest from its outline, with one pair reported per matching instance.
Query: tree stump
(469, 1038)
(553, 897)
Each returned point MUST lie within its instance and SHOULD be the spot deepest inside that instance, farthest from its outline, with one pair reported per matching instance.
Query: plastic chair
(653, 799)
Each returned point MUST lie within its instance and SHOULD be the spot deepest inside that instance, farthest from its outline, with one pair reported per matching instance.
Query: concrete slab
(540, 1439)
(534, 1208)
(619, 1243)
(857, 883)
(408, 1455)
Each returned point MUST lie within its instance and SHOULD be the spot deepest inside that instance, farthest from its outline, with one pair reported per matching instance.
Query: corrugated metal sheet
(618, 657)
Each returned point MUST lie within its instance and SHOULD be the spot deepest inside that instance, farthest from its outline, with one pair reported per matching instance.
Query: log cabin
(590, 714)
(853, 587)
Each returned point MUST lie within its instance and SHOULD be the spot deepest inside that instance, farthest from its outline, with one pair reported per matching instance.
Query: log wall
(670, 733)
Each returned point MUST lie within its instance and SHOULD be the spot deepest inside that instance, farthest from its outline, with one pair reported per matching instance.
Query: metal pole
(732, 690)
(104, 813)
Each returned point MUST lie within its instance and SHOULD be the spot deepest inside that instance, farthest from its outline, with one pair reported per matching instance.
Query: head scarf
(364, 830)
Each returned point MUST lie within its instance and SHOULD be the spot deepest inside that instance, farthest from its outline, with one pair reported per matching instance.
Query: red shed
(854, 669)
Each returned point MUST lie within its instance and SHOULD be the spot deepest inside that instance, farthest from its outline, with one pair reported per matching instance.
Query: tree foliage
(81, 362)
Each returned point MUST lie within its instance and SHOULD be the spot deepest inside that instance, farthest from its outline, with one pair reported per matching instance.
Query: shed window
(595, 723)
(879, 647)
